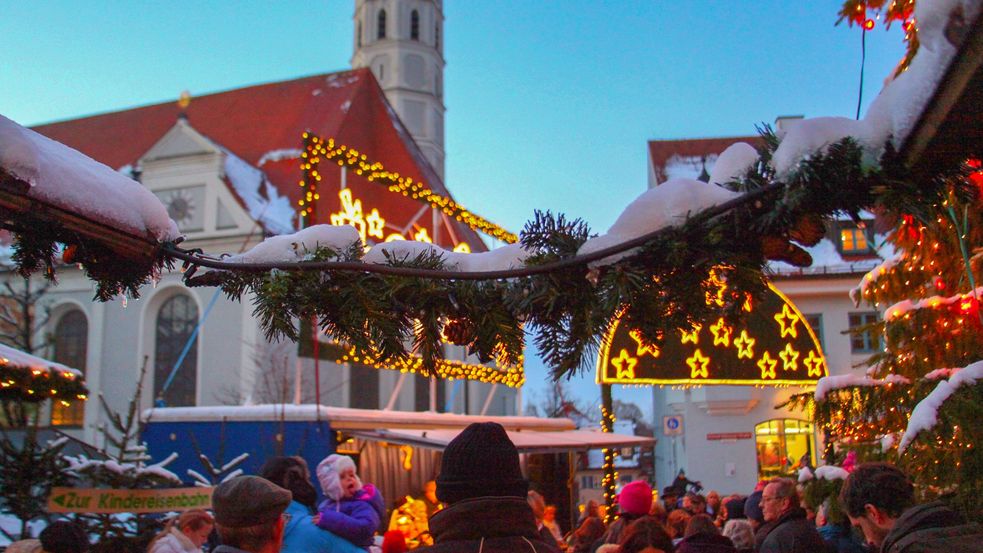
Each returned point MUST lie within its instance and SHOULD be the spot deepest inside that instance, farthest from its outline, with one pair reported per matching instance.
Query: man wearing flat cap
(249, 515)
(485, 493)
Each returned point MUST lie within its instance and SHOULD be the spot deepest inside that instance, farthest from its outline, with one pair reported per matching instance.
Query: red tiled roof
(660, 151)
(250, 122)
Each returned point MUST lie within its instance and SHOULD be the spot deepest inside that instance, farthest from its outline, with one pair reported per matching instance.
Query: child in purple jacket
(349, 510)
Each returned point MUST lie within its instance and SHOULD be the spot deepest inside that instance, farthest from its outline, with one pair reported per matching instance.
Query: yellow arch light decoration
(317, 150)
(762, 352)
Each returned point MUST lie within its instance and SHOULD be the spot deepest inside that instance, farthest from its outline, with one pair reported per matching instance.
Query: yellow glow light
(790, 358)
(721, 333)
(625, 365)
(814, 363)
(767, 366)
(643, 346)
(744, 345)
(787, 319)
(699, 365)
(693, 336)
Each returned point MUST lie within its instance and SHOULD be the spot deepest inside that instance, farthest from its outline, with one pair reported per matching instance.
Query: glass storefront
(781, 445)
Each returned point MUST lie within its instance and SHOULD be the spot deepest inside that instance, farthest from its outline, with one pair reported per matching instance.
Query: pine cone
(797, 256)
(457, 332)
(809, 230)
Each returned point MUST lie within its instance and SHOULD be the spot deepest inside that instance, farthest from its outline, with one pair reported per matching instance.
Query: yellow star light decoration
(625, 365)
(351, 214)
(790, 358)
(375, 224)
(693, 336)
(767, 366)
(721, 333)
(720, 285)
(643, 345)
(463, 247)
(744, 345)
(422, 236)
(699, 365)
(814, 363)
(787, 319)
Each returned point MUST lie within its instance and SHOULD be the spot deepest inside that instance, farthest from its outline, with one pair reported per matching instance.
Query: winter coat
(174, 542)
(706, 543)
(489, 525)
(356, 519)
(302, 536)
(933, 527)
(841, 539)
(790, 533)
(585, 536)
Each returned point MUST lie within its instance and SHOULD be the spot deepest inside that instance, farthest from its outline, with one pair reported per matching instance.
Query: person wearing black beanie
(481, 482)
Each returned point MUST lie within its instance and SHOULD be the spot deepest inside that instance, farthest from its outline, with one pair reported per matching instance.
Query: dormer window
(382, 25)
(415, 25)
(853, 241)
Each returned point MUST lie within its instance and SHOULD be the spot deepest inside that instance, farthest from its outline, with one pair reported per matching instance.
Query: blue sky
(549, 104)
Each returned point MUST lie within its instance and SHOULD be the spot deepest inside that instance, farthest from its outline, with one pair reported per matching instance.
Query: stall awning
(526, 441)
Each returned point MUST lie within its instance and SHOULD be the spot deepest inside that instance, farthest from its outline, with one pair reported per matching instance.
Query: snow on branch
(828, 384)
(901, 308)
(926, 413)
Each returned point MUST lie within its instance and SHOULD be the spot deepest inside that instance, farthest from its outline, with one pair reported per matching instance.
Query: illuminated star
(790, 358)
(644, 346)
(375, 224)
(463, 247)
(767, 366)
(814, 363)
(787, 319)
(692, 336)
(698, 365)
(721, 333)
(625, 365)
(744, 345)
(422, 236)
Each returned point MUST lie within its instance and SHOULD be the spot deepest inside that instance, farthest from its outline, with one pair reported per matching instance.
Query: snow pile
(407, 250)
(896, 109)
(903, 307)
(512, 256)
(262, 199)
(940, 374)
(827, 384)
(278, 155)
(340, 80)
(15, 358)
(70, 180)
(733, 163)
(665, 205)
(831, 472)
(83, 463)
(926, 413)
(290, 248)
(805, 475)
(887, 442)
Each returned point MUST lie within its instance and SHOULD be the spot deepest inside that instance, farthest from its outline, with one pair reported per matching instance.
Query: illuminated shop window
(781, 444)
(853, 240)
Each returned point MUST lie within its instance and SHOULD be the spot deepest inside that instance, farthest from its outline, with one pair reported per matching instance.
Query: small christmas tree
(28, 471)
(124, 468)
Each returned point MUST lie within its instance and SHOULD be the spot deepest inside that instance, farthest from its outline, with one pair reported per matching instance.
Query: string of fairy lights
(511, 376)
(317, 151)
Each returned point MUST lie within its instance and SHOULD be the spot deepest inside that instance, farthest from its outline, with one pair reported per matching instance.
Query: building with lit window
(227, 166)
(733, 436)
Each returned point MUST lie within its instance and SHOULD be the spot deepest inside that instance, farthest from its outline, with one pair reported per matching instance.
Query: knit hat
(752, 507)
(248, 501)
(636, 498)
(481, 461)
(64, 537)
(735, 508)
(328, 475)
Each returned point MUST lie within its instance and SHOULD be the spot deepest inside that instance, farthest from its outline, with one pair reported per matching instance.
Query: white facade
(402, 42)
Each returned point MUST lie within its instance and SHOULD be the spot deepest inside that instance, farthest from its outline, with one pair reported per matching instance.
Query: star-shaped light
(721, 333)
(422, 236)
(463, 247)
(699, 365)
(625, 365)
(787, 319)
(814, 363)
(767, 366)
(643, 345)
(375, 224)
(744, 345)
(790, 358)
(692, 336)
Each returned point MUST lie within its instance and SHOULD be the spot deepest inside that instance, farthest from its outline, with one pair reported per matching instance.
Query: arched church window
(176, 322)
(415, 25)
(782, 445)
(382, 24)
(71, 346)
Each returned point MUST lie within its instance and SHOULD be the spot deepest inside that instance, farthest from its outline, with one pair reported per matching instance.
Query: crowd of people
(482, 504)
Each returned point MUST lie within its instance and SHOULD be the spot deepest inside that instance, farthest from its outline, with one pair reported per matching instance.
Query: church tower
(402, 42)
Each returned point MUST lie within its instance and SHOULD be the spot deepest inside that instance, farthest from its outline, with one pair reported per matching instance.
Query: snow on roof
(70, 180)
(903, 307)
(826, 258)
(667, 204)
(830, 383)
(347, 418)
(925, 415)
(18, 359)
(894, 112)
(262, 199)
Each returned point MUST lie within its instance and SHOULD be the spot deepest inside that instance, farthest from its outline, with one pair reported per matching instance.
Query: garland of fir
(661, 286)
